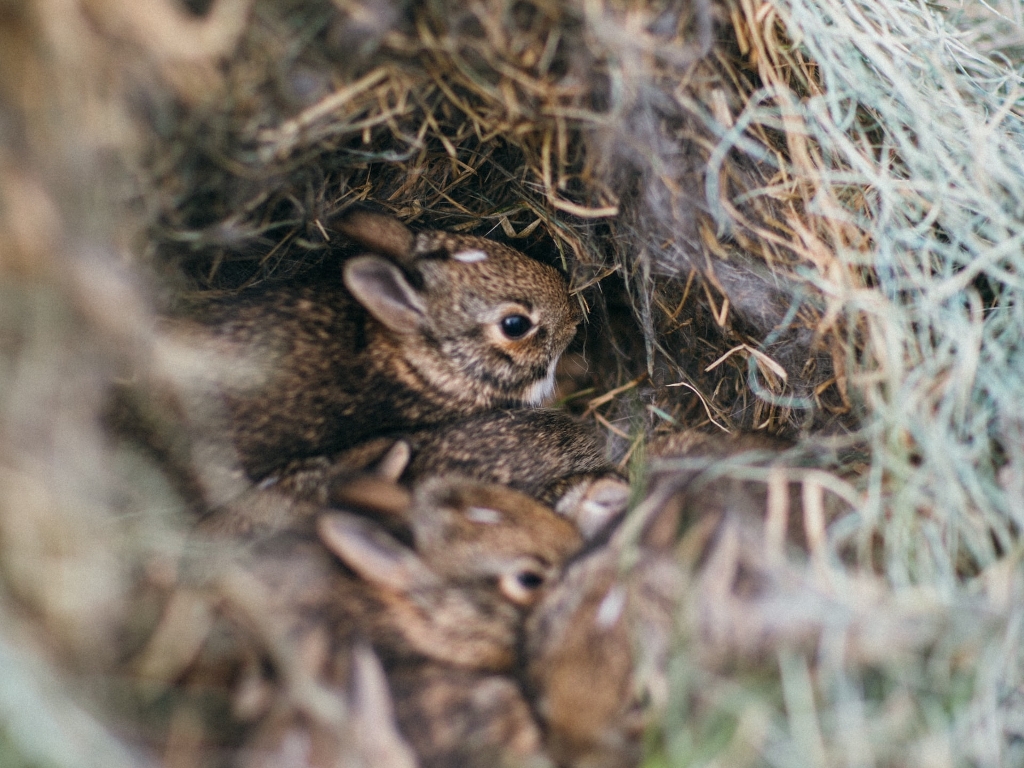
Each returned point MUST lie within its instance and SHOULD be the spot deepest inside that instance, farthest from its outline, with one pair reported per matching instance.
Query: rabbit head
(597, 645)
(482, 556)
(478, 320)
(596, 650)
(461, 526)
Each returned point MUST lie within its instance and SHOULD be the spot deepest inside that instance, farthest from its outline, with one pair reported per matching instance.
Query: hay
(804, 213)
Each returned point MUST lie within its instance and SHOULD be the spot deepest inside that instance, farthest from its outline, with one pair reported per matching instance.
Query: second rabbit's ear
(368, 492)
(373, 554)
(378, 233)
(393, 464)
(382, 289)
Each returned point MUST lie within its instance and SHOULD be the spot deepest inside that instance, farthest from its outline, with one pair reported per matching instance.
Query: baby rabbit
(444, 621)
(598, 644)
(544, 453)
(442, 599)
(444, 615)
(584, 676)
(423, 328)
(474, 558)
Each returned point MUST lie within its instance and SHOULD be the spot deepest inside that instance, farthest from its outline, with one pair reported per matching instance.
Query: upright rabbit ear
(380, 287)
(371, 493)
(378, 233)
(393, 463)
(373, 554)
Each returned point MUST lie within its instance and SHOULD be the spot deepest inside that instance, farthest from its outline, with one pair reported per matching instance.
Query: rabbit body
(460, 718)
(426, 328)
(544, 453)
(539, 452)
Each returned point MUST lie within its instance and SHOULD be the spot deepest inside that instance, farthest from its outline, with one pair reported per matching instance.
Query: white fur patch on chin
(541, 390)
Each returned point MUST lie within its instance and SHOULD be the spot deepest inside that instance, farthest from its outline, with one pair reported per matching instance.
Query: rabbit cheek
(525, 369)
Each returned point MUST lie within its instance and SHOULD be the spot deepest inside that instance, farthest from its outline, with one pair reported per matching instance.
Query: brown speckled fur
(467, 534)
(448, 642)
(539, 452)
(456, 718)
(325, 374)
(544, 453)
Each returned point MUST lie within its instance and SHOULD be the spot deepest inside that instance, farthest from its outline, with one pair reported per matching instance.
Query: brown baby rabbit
(445, 613)
(598, 644)
(446, 633)
(423, 328)
(583, 672)
(440, 590)
(483, 555)
(544, 453)
(474, 558)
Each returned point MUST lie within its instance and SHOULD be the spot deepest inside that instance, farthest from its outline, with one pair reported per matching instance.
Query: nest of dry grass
(795, 216)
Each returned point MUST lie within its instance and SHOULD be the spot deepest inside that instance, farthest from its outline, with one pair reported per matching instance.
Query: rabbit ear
(381, 287)
(375, 494)
(378, 233)
(593, 504)
(373, 554)
(393, 463)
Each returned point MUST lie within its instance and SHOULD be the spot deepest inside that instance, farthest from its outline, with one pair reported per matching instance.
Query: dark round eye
(530, 579)
(516, 326)
(521, 583)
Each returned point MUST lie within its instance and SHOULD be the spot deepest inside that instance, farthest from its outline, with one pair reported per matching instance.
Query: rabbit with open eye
(445, 619)
(442, 603)
(439, 587)
(447, 572)
(482, 556)
(421, 329)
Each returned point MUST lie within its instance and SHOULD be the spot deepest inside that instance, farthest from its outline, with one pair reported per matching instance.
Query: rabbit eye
(516, 326)
(529, 579)
(521, 585)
